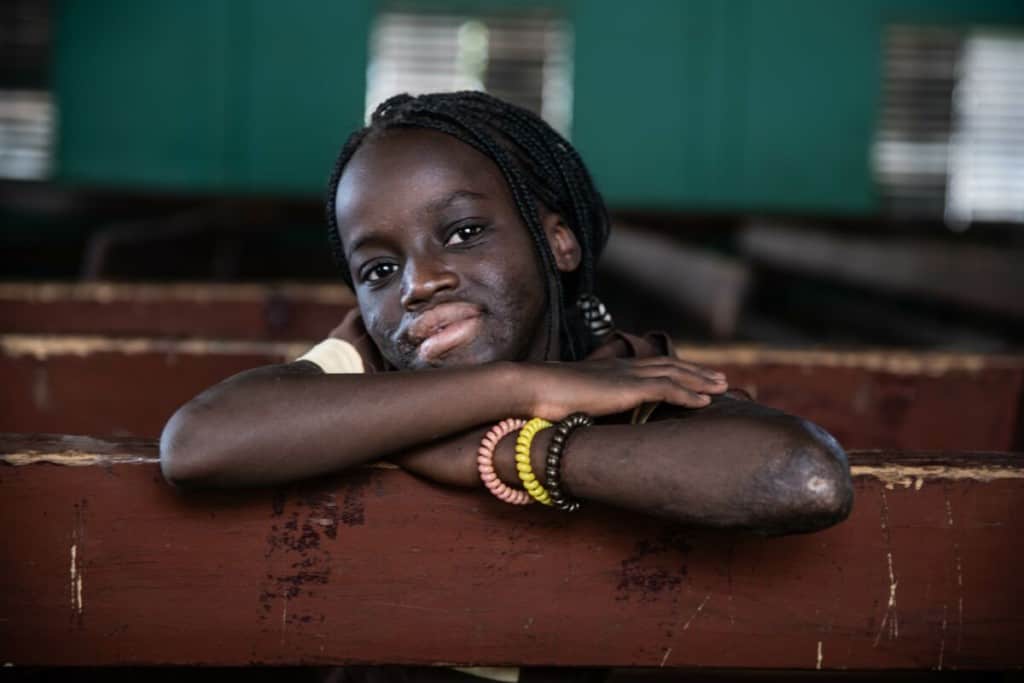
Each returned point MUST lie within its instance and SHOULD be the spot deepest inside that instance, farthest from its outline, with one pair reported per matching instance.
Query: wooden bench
(201, 310)
(104, 563)
(869, 399)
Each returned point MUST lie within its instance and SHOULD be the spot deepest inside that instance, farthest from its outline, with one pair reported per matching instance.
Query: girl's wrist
(516, 387)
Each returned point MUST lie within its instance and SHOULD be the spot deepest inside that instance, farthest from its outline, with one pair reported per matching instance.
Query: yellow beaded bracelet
(523, 443)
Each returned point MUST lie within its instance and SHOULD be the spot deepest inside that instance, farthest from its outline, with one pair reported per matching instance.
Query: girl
(469, 231)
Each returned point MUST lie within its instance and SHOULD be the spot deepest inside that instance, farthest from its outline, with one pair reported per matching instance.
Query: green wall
(217, 95)
(706, 105)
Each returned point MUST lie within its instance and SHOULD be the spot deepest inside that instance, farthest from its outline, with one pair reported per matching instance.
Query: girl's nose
(424, 278)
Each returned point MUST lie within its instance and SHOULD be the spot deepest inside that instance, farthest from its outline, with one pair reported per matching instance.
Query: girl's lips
(449, 337)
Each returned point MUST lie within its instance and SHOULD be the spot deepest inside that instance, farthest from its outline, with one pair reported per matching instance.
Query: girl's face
(443, 267)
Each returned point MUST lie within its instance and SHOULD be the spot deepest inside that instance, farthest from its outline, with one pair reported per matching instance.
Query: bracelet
(563, 430)
(485, 463)
(526, 475)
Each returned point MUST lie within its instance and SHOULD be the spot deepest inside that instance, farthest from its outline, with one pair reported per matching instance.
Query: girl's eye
(464, 234)
(379, 272)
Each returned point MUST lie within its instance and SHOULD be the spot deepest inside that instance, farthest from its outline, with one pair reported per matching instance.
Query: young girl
(469, 231)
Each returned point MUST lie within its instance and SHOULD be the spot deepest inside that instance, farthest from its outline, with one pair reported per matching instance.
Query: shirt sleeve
(335, 356)
(347, 349)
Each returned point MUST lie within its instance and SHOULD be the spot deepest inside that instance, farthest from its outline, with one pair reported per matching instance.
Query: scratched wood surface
(104, 563)
(279, 311)
(868, 399)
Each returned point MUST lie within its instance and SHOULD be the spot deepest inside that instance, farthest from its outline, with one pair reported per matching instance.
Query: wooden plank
(868, 399)
(279, 311)
(94, 385)
(111, 566)
(981, 278)
(707, 286)
(886, 399)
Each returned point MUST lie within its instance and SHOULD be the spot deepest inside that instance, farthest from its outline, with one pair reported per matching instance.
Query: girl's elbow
(825, 475)
(816, 479)
(180, 441)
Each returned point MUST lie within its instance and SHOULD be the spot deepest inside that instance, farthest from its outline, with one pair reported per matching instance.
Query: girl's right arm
(281, 423)
(731, 464)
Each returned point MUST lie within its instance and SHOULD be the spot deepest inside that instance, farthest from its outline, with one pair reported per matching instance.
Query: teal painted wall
(733, 105)
(218, 95)
(704, 105)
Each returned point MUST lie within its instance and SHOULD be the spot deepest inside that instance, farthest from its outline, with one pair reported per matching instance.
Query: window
(951, 140)
(523, 58)
(26, 106)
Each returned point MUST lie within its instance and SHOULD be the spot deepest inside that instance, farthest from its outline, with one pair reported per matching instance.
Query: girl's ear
(562, 242)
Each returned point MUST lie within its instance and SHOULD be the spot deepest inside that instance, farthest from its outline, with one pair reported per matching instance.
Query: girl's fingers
(684, 376)
(666, 389)
(692, 367)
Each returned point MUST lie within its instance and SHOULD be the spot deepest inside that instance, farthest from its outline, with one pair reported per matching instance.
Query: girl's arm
(286, 422)
(730, 464)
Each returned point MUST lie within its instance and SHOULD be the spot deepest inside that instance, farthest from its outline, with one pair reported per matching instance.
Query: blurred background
(783, 172)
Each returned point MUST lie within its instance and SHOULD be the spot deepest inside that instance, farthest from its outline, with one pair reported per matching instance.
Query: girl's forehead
(414, 169)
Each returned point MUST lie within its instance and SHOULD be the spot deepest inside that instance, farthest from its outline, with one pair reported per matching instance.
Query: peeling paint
(42, 347)
(916, 475)
(891, 618)
(75, 459)
(696, 613)
(77, 605)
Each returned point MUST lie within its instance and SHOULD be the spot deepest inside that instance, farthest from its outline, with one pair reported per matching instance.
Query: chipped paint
(75, 578)
(696, 613)
(817, 664)
(915, 475)
(74, 574)
(894, 362)
(41, 347)
(891, 618)
(74, 459)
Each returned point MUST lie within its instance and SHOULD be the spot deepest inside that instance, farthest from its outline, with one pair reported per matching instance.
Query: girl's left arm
(732, 464)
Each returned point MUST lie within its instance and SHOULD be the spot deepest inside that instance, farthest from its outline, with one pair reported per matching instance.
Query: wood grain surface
(867, 399)
(106, 564)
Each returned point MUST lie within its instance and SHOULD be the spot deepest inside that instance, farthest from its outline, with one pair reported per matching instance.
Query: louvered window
(523, 58)
(951, 139)
(26, 106)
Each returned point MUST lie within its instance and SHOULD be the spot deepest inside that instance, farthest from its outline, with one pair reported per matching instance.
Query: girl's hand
(614, 386)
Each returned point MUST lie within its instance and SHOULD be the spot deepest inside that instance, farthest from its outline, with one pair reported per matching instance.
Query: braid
(537, 163)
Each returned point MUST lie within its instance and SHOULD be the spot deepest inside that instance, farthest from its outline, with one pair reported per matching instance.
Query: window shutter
(525, 59)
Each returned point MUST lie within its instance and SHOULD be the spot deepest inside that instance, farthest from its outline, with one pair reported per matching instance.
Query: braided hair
(537, 163)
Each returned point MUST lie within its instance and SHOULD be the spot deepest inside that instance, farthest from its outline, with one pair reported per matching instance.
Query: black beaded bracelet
(554, 461)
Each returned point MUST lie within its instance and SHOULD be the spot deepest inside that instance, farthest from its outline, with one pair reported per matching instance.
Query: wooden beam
(97, 385)
(279, 311)
(705, 285)
(868, 399)
(885, 398)
(106, 564)
(987, 279)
